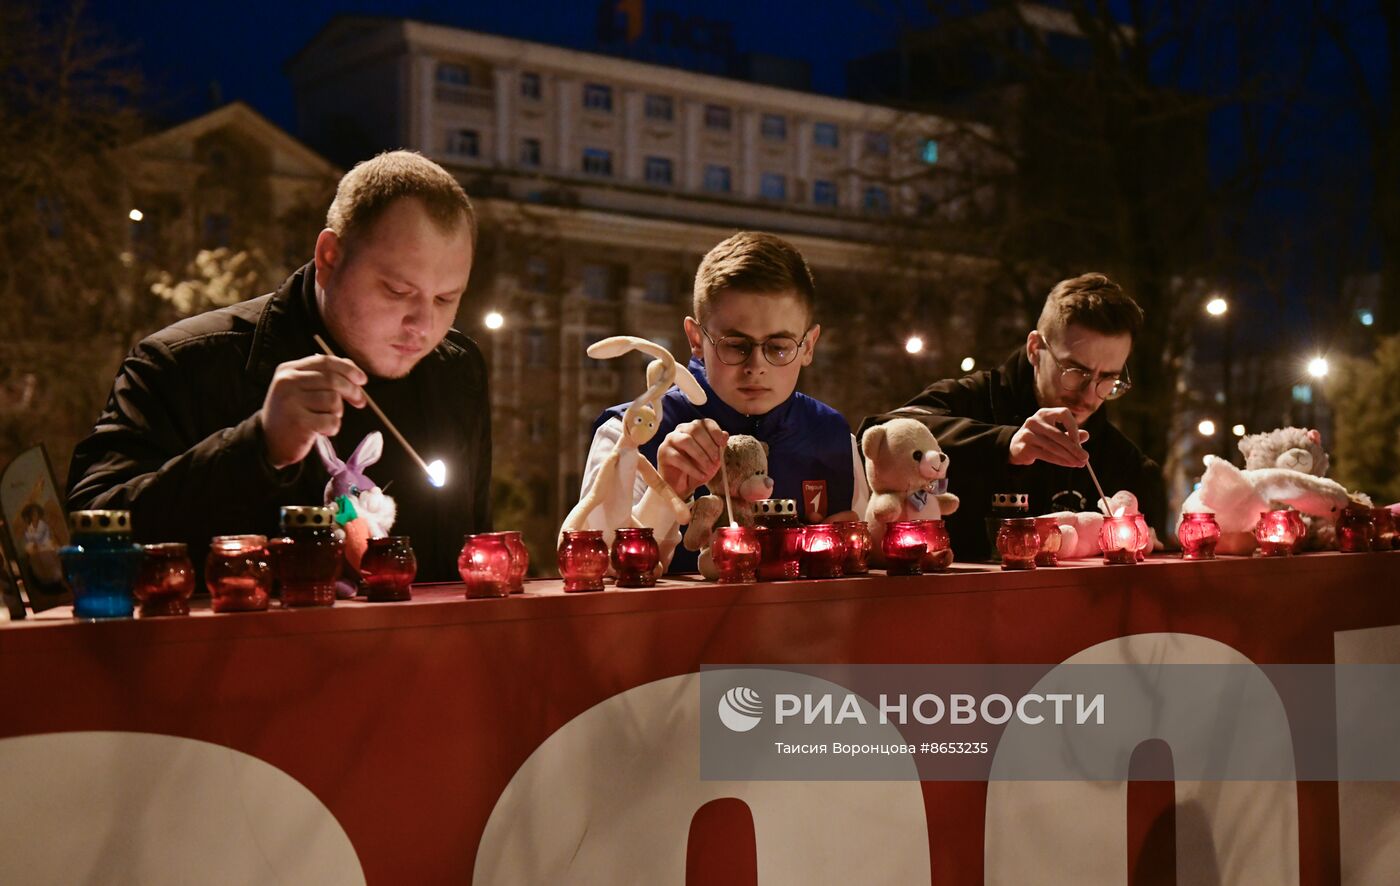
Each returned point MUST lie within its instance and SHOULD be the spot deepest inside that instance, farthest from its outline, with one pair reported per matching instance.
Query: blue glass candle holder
(101, 564)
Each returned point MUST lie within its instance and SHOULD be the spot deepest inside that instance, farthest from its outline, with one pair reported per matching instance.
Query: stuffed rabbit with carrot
(363, 511)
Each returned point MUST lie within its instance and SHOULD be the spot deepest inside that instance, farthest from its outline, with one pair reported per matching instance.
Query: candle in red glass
(736, 551)
(1383, 521)
(1354, 529)
(1119, 540)
(856, 535)
(306, 560)
(635, 557)
(583, 560)
(388, 568)
(519, 558)
(485, 566)
(165, 580)
(237, 573)
(1144, 536)
(1198, 534)
(1018, 543)
(1047, 529)
(1275, 534)
(938, 548)
(904, 548)
(1300, 530)
(779, 539)
(823, 551)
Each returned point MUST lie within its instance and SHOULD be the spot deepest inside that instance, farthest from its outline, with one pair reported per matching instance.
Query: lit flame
(437, 473)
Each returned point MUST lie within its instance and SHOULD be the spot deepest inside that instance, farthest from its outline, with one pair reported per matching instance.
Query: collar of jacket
(1016, 389)
(731, 420)
(286, 325)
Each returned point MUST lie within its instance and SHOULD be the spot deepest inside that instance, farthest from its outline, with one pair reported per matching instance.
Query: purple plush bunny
(373, 511)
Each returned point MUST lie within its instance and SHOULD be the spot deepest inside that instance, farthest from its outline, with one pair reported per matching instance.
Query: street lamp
(1206, 427)
(1220, 307)
(136, 215)
(494, 320)
(914, 344)
(1238, 430)
(1217, 306)
(968, 363)
(1317, 367)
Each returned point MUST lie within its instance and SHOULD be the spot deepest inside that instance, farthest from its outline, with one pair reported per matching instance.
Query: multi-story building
(602, 181)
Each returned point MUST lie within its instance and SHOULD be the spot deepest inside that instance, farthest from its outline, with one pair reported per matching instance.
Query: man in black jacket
(210, 422)
(1033, 423)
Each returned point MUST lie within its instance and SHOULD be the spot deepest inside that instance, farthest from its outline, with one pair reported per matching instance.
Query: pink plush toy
(1237, 497)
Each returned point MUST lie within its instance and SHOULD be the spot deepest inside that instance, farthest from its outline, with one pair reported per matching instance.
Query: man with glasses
(1032, 424)
(752, 332)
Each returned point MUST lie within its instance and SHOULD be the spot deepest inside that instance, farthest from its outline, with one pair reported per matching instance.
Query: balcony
(464, 96)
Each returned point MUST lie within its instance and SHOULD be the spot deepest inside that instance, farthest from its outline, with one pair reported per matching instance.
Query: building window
(877, 200)
(530, 85)
(218, 230)
(454, 75)
(536, 273)
(929, 152)
(717, 179)
(718, 117)
(877, 144)
(659, 171)
(824, 192)
(824, 135)
(660, 288)
(529, 152)
(597, 161)
(463, 143)
(597, 97)
(597, 283)
(659, 107)
(774, 126)
(536, 349)
(773, 186)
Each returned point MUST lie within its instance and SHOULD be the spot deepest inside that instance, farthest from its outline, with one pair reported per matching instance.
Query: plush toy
(362, 509)
(1079, 533)
(1297, 449)
(608, 504)
(1237, 497)
(904, 466)
(746, 466)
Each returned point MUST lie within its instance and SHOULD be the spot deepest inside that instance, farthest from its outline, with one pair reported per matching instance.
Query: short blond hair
(366, 191)
(1092, 301)
(752, 261)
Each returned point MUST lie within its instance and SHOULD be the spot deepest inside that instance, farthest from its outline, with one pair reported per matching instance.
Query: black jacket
(180, 442)
(974, 418)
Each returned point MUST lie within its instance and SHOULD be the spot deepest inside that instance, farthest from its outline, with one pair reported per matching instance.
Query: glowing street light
(1217, 306)
(494, 320)
(914, 344)
(1238, 430)
(135, 215)
(1317, 367)
(1206, 427)
(968, 363)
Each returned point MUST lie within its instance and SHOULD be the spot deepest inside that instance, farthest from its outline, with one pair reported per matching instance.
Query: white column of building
(692, 120)
(506, 90)
(853, 138)
(566, 92)
(631, 141)
(748, 153)
(802, 131)
(421, 82)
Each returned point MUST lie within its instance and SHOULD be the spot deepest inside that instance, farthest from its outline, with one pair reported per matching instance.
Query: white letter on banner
(786, 705)
(886, 709)
(937, 708)
(962, 708)
(626, 773)
(850, 710)
(1241, 825)
(1059, 698)
(1021, 709)
(1005, 707)
(822, 708)
(1086, 711)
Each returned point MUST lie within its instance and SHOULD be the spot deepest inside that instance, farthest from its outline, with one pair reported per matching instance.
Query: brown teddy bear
(746, 466)
(1294, 449)
(905, 468)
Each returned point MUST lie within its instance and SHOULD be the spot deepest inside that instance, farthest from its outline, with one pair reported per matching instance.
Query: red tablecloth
(408, 720)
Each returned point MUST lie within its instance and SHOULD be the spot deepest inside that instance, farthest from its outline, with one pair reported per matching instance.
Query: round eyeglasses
(734, 350)
(1074, 380)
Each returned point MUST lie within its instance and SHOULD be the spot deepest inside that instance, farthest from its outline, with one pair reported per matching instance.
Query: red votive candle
(856, 536)
(780, 556)
(1119, 540)
(904, 548)
(485, 566)
(736, 553)
(583, 560)
(1198, 534)
(1144, 536)
(1300, 530)
(938, 548)
(1383, 522)
(1275, 533)
(1047, 530)
(306, 560)
(165, 580)
(1354, 529)
(388, 568)
(1018, 543)
(519, 558)
(823, 551)
(635, 557)
(237, 573)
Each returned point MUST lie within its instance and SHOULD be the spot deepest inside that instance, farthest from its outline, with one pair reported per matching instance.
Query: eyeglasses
(1074, 380)
(734, 350)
